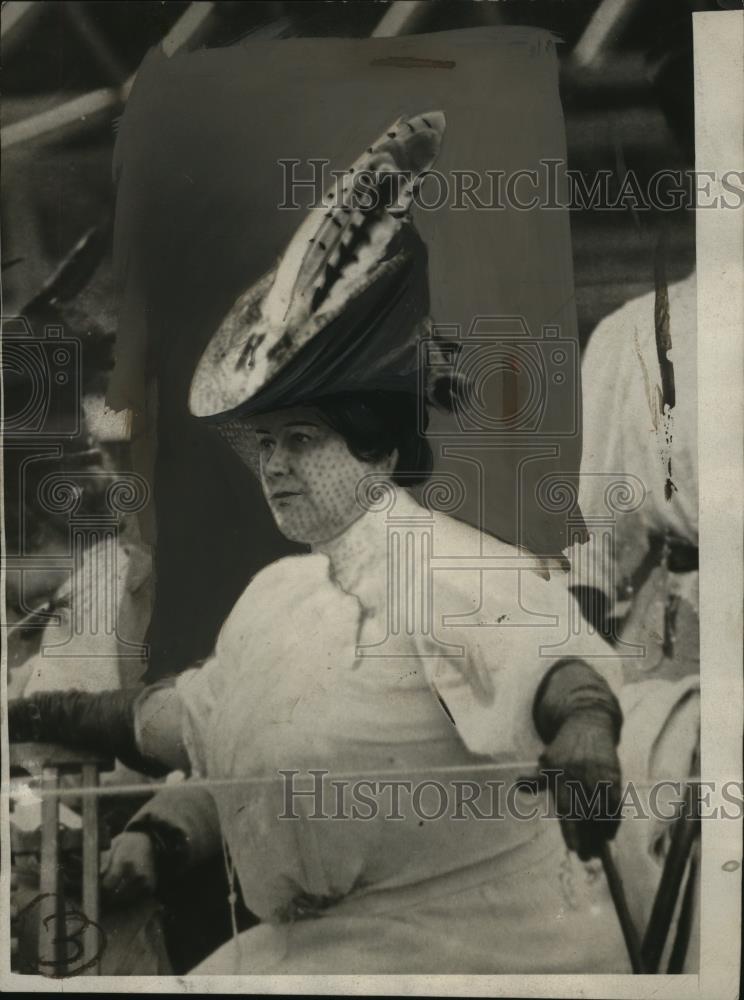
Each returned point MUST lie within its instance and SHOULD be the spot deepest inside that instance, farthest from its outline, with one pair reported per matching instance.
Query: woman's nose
(278, 461)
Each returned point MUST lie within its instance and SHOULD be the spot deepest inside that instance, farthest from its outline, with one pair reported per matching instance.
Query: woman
(362, 696)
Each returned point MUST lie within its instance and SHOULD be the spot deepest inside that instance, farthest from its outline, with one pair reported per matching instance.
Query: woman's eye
(299, 438)
(264, 444)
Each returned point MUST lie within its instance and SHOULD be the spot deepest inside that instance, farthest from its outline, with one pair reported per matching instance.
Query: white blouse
(410, 650)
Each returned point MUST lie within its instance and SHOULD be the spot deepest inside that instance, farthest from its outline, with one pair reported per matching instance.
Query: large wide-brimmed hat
(341, 310)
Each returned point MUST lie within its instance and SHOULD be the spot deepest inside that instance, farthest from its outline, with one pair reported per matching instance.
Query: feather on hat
(354, 267)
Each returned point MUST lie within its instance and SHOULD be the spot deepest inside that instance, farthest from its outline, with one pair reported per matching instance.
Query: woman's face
(308, 475)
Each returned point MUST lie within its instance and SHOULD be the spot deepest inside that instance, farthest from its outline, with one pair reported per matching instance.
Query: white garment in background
(626, 432)
(104, 611)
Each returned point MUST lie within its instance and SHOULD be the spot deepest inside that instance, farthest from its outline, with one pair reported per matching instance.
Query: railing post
(91, 892)
(48, 762)
(51, 931)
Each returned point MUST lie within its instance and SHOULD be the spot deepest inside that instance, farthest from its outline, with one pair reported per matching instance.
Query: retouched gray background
(197, 221)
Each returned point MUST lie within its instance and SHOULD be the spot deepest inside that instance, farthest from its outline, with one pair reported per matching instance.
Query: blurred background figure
(78, 576)
(639, 587)
(639, 378)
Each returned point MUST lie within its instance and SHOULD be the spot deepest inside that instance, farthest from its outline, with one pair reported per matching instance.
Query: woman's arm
(579, 719)
(158, 726)
(140, 726)
(177, 829)
(511, 694)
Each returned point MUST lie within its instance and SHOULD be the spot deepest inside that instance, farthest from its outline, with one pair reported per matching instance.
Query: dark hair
(374, 424)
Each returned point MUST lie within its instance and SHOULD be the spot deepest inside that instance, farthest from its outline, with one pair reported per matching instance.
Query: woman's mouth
(285, 494)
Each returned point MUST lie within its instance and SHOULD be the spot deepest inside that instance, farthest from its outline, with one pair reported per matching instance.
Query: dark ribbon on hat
(372, 345)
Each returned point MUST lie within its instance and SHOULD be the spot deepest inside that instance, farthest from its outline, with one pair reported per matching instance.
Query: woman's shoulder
(490, 568)
(283, 571)
(276, 589)
(455, 539)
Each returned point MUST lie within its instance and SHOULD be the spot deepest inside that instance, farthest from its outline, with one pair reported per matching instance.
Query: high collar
(358, 558)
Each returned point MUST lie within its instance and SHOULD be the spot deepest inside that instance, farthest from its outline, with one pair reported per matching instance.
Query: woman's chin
(309, 534)
(294, 531)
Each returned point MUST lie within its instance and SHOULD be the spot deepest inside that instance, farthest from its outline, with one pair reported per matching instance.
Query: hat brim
(370, 343)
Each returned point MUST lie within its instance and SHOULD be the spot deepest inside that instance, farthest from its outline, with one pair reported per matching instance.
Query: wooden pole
(632, 941)
(605, 28)
(88, 109)
(17, 19)
(686, 830)
(401, 18)
(91, 898)
(96, 43)
(50, 909)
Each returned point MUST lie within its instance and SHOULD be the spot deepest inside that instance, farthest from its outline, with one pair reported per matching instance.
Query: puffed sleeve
(505, 629)
(198, 688)
(202, 688)
(190, 809)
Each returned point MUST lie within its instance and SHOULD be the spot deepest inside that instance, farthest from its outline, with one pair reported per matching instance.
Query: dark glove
(170, 848)
(578, 717)
(101, 723)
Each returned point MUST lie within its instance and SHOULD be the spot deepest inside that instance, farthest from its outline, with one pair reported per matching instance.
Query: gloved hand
(168, 844)
(578, 717)
(128, 869)
(586, 788)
